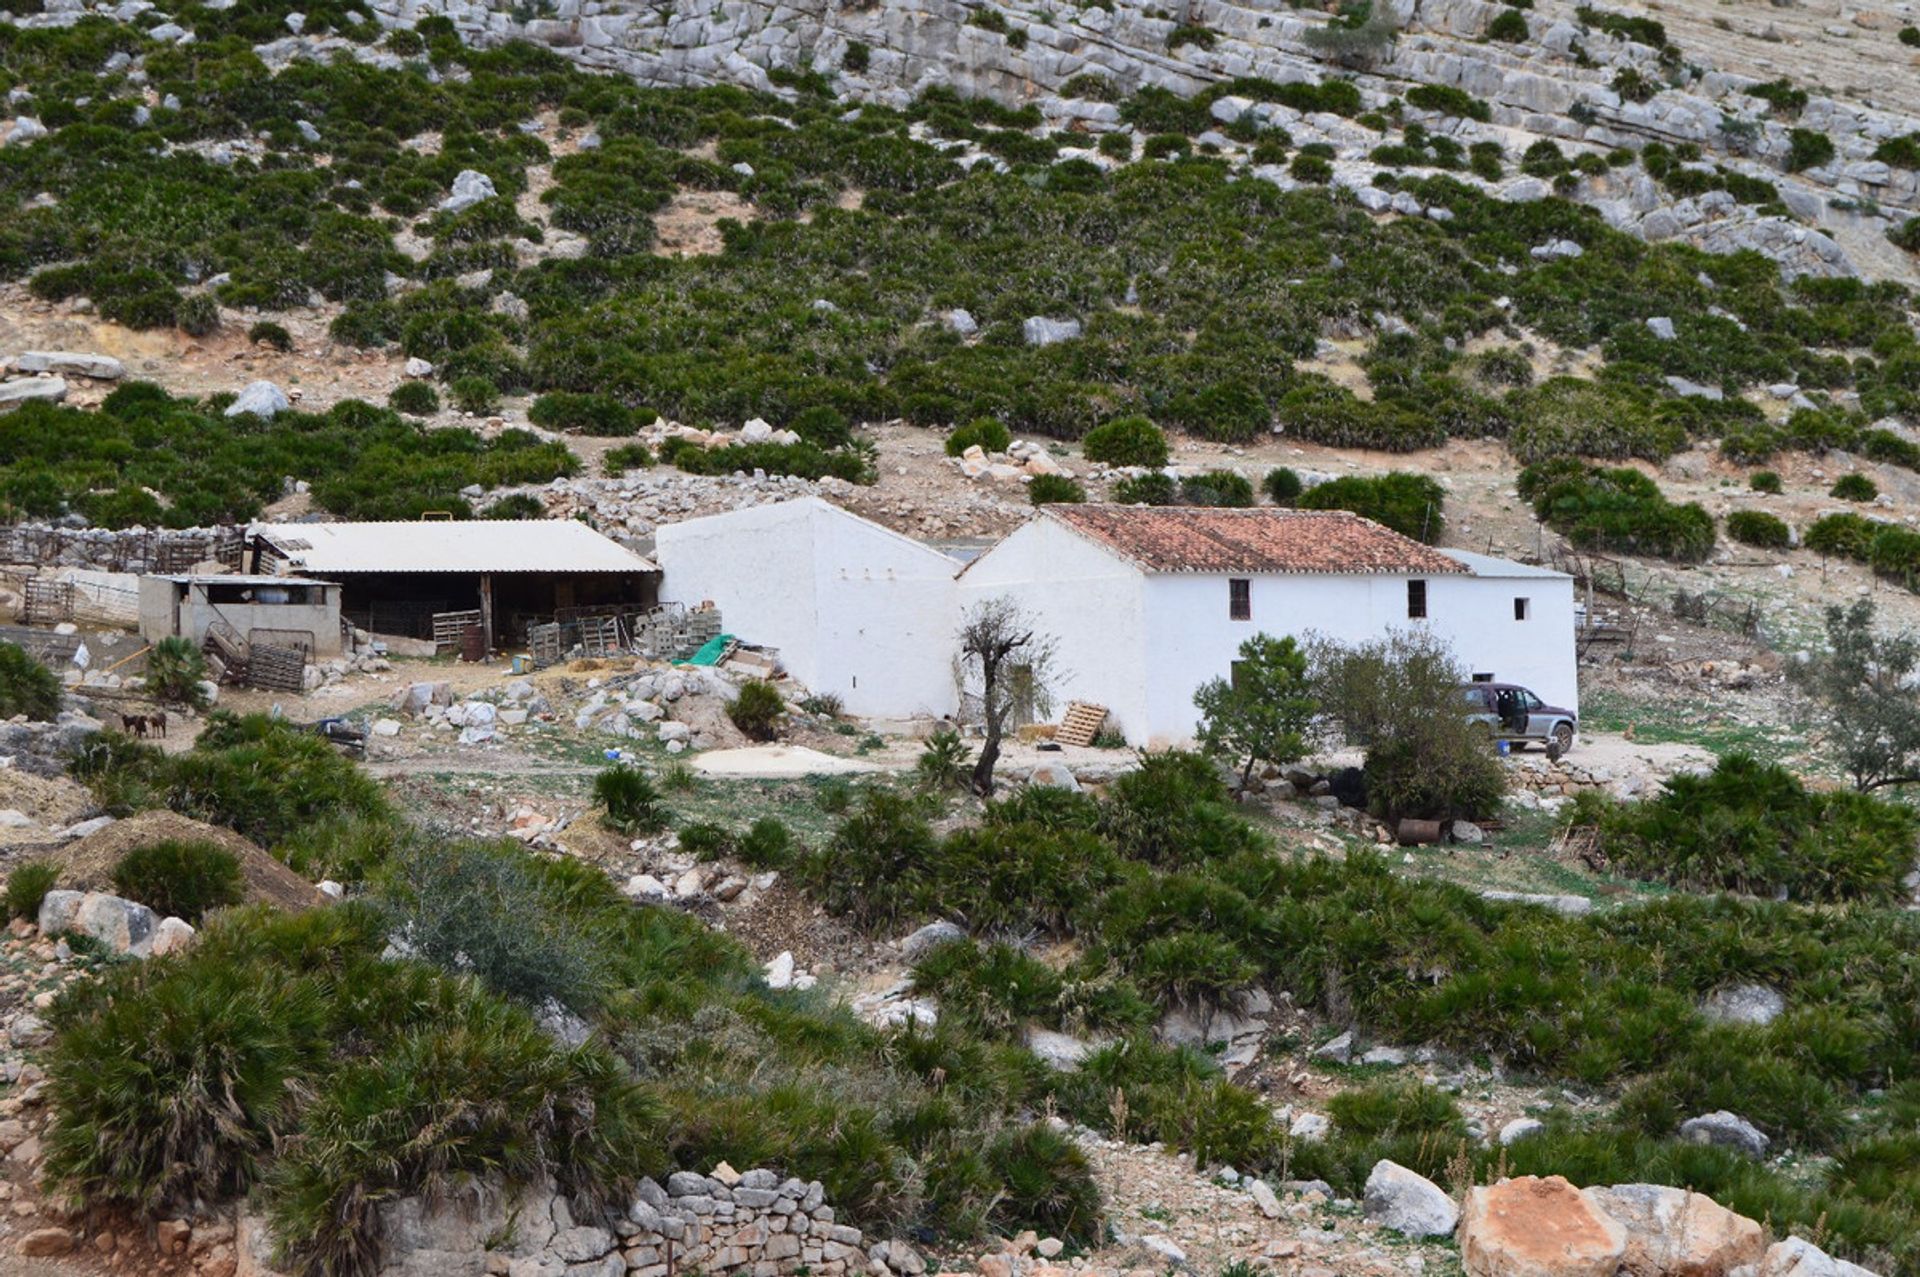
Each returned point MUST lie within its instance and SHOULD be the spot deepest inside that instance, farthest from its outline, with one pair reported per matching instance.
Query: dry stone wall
(752, 1224)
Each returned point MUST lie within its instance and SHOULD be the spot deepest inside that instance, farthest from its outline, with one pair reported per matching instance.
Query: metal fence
(667, 633)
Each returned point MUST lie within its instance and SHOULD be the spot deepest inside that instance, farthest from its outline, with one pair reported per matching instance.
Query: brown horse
(134, 725)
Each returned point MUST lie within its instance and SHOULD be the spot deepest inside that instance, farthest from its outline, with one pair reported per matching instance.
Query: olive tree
(1263, 712)
(1005, 668)
(1399, 698)
(1861, 689)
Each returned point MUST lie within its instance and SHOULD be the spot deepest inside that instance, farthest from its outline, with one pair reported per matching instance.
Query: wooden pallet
(1081, 723)
(281, 669)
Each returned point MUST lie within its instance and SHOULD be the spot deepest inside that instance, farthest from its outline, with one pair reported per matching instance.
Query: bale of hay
(88, 864)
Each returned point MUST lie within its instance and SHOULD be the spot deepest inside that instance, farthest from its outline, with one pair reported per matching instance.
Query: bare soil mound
(88, 864)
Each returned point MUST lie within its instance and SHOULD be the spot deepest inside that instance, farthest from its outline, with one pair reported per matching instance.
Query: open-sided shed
(502, 575)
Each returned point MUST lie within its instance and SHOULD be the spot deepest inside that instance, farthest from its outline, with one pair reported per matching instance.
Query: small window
(1416, 600)
(1483, 678)
(1240, 599)
(1522, 609)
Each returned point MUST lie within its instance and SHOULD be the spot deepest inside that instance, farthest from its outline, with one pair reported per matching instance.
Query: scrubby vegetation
(26, 686)
(1408, 503)
(181, 879)
(1616, 509)
(28, 885)
(1757, 527)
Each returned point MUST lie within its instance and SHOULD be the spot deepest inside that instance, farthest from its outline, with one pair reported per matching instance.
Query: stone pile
(126, 927)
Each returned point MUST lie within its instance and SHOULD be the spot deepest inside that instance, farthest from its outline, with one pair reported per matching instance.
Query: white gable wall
(853, 609)
(1088, 600)
(1475, 615)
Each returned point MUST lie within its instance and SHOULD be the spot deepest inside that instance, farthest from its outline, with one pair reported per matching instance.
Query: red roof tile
(1209, 539)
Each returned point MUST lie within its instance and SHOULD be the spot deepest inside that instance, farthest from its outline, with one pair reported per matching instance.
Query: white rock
(469, 188)
(1399, 1199)
(70, 362)
(260, 399)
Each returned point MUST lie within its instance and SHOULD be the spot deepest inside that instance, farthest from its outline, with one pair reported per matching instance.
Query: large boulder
(1533, 1227)
(1399, 1199)
(48, 389)
(469, 188)
(259, 399)
(1053, 776)
(1675, 1233)
(1729, 1130)
(123, 926)
(99, 367)
(1038, 330)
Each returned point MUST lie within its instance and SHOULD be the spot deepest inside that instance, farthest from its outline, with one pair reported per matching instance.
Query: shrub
(767, 844)
(1508, 26)
(196, 316)
(1282, 486)
(1048, 1185)
(628, 456)
(757, 709)
(872, 869)
(272, 335)
(492, 910)
(824, 427)
(1616, 509)
(1127, 441)
(856, 58)
(1765, 481)
(1408, 503)
(1147, 489)
(182, 879)
(1755, 527)
(588, 414)
(945, 762)
(1807, 149)
(175, 670)
(986, 432)
(705, 840)
(1448, 100)
(28, 885)
(474, 394)
(520, 505)
(415, 398)
(1753, 827)
(1051, 489)
(1854, 487)
(1262, 715)
(630, 799)
(1310, 168)
(26, 686)
(1216, 488)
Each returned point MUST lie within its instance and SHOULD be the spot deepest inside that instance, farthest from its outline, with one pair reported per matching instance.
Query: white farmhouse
(1146, 604)
(854, 609)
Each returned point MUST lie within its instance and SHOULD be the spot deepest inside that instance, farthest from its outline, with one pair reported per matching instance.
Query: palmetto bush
(175, 670)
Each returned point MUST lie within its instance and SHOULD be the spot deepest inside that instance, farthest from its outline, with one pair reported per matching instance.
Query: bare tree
(1005, 665)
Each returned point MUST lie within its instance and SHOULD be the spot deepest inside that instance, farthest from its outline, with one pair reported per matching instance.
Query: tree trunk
(991, 717)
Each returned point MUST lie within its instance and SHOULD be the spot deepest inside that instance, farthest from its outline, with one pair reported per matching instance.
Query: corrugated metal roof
(234, 578)
(1488, 565)
(472, 545)
(1213, 539)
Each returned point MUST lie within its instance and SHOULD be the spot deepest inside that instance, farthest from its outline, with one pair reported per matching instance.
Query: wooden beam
(486, 608)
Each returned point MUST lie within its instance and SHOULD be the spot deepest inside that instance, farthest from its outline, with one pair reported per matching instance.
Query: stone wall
(755, 1224)
(136, 550)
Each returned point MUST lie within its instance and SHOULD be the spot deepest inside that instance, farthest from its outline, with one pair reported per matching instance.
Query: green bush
(1127, 441)
(1282, 486)
(587, 414)
(28, 885)
(1765, 481)
(945, 764)
(1753, 827)
(1448, 100)
(1310, 168)
(1055, 489)
(1216, 488)
(474, 394)
(871, 871)
(1807, 149)
(1616, 509)
(26, 686)
(1755, 527)
(1508, 26)
(757, 709)
(175, 670)
(181, 879)
(1147, 489)
(767, 844)
(628, 456)
(271, 335)
(1854, 487)
(986, 432)
(1048, 1184)
(630, 799)
(415, 398)
(1408, 503)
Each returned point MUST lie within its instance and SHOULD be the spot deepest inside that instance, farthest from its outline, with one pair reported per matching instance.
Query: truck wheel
(1563, 736)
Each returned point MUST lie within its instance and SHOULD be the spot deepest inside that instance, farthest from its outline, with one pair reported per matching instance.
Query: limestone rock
(1041, 331)
(1399, 1199)
(1729, 1130)
(1533, 1227)
(469, 188)
(1053, 776)
(928, 938)
(1744, 1004)
(1797, 1257)
(99, 367)
(259, 399)
(50, 389)
(1674, 1233)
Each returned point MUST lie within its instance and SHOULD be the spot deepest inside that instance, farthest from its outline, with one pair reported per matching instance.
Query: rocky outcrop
(1674, 1233)
(754, 1224)
(1409, 1203)
(1532, 1227)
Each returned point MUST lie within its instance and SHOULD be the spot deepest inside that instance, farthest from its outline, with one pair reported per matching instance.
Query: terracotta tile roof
(1206, 539)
